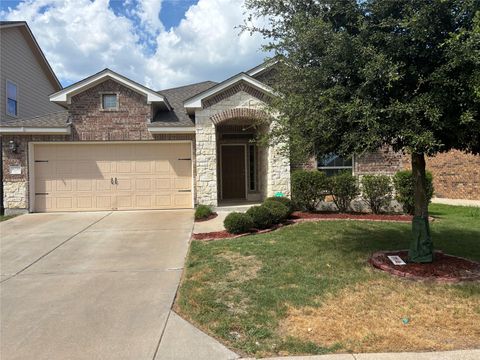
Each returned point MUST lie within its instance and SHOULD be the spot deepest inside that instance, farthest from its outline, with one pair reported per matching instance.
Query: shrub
(237, 223)
(283, 200)
(203, 212)
(278, 210)
(376, 191)
(308, 188)
(261, 216)
(343, 188)
(404, 191)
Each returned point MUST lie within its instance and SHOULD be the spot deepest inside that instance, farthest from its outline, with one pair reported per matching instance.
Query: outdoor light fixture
(12, 146)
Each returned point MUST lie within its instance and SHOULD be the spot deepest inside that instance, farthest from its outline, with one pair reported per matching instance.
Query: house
(26, 78)
(119, 145)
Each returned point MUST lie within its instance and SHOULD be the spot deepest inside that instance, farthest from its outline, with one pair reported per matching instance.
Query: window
(109, 101)
(252, 181)
(333, 164)
(12, 106)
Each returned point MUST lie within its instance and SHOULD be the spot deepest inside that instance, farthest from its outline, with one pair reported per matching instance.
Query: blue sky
(159, 43)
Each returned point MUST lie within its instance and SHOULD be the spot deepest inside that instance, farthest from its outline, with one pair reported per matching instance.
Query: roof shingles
(176, 96)
(52, 120)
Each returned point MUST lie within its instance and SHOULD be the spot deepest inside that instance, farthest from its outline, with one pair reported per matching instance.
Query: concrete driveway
(89, 285)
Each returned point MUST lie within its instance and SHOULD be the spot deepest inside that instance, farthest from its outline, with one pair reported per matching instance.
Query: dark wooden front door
(233, 172)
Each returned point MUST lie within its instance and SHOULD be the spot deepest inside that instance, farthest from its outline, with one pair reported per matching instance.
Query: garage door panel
(82, 176)
(64, 185)
(85, 185)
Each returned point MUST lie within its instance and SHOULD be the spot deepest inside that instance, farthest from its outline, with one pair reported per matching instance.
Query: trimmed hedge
(404, 190)
(261, 216)
(277, 209)
(283, 200)
(376, 191)
(203, 212)
(344, 189)
(308, 188)
(238, 223)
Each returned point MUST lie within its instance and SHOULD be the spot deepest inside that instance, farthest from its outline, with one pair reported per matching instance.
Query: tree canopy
(359, 75)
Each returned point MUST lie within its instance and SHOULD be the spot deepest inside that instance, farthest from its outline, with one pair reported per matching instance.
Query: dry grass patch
(243, 268)
(368, 318)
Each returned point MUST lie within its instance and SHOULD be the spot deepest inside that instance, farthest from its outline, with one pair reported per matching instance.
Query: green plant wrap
(421, 247)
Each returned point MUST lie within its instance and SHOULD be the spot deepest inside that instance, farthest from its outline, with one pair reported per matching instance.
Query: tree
(358, 75)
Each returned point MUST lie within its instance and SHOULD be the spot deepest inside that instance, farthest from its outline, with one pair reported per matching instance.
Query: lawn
(307, 289)
(6, 217)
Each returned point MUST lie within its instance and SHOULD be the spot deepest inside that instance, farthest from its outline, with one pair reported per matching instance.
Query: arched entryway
(241, 162)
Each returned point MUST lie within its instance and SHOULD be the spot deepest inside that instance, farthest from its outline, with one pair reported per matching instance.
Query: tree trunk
(421, 247)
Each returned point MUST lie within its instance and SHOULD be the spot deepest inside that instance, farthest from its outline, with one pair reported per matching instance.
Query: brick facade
(382, 161)
(456, 175)
(91, 123)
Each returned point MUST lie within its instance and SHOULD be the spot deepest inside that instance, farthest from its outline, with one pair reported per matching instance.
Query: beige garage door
(71, 177)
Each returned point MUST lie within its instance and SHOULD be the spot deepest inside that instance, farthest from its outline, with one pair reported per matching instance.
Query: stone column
(206, 154)
(278, 176)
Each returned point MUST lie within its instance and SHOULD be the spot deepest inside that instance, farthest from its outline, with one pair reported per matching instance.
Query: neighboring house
(120, 146)
(26, 78)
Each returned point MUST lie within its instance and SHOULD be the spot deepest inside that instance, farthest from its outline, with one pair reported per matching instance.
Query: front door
(233, 172)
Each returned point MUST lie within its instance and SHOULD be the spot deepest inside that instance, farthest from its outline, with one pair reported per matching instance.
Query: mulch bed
(445, 268)
(224, 234)
(213, 215)
(299, 215)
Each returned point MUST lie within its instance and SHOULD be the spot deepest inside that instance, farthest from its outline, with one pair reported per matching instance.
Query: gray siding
(19, 64)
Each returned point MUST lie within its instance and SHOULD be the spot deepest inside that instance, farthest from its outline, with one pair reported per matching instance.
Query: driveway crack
(56, 247)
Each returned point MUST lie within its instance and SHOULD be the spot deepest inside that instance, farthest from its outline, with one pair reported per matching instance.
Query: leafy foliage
(279, 211)
(343, 188)
(237, 223)
(357, 75)
(261, 216)
(308, 188)
(285, 201)
(376, 191)
(404, 189)
(203, 212)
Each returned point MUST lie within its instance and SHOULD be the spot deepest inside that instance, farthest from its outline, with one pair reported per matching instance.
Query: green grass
(240, 290)
(6, 217)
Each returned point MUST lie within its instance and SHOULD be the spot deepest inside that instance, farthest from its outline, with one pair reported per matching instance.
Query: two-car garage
(110, 176)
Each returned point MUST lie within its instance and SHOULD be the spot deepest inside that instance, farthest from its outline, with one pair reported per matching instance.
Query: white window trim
(6, 97)
(103, 93)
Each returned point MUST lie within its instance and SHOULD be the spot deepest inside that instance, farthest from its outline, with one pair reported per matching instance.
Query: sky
(158, 43)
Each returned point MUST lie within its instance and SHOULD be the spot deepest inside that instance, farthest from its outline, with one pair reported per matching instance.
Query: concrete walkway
(457, 202)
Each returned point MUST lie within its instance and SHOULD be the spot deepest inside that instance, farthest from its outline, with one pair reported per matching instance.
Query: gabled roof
(257, 70)
(176, 96)
(25, 29)
(195, 102)
(64, 96)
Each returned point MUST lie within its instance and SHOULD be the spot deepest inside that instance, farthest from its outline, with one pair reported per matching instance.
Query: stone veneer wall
(278, 172)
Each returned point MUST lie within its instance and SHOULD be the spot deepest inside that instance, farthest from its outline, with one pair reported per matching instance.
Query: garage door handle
(184, 190)
(111, 181)
(116, 181)
(187, 159)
